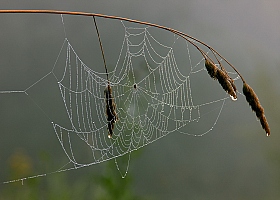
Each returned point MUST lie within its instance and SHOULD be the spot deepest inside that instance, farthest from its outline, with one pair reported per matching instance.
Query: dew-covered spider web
(159, 85)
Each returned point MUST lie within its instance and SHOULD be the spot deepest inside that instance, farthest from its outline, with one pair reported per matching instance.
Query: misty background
(234, 161)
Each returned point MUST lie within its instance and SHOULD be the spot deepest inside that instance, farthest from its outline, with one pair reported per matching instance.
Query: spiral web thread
(150, 103)
(148, 108)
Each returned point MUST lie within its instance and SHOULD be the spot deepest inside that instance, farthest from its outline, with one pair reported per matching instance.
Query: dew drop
(233, 98)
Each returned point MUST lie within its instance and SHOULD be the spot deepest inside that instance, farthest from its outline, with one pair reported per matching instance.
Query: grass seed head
(254, 102)
(110, 110)
(224, 79)
(211, 68)
(227, 83)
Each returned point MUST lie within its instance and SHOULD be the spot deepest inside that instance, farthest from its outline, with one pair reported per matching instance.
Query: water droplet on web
(233, 98)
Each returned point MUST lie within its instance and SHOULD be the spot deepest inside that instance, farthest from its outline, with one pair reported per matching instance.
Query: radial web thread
(153, 95)
(148, 108)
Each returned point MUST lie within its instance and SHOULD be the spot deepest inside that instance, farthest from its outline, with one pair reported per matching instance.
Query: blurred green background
(234, 161)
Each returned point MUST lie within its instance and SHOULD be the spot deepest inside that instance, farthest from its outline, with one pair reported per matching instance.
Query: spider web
(158, 87)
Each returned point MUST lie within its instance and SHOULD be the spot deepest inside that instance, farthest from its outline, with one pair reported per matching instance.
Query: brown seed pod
(224, 79)
(254, 102)
(110, 110)
(227, 83)
(211, 68)
(232, 83)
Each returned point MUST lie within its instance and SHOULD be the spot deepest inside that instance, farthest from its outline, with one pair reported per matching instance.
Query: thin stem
(101, 48)
(181, 34)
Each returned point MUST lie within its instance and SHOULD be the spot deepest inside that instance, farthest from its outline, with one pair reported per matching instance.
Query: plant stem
(179, 33)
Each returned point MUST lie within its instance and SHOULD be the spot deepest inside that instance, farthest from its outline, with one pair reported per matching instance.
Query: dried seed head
(265, 125)
(110, 110)
(227, 83)
(224, 79)
(254, 102)
(234, 98)
(232, 84)
(211, 68)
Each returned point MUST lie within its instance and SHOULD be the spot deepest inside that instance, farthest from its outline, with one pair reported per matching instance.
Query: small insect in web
(110, 110)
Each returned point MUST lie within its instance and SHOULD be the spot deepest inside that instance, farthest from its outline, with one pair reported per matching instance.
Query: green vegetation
(107, 185)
